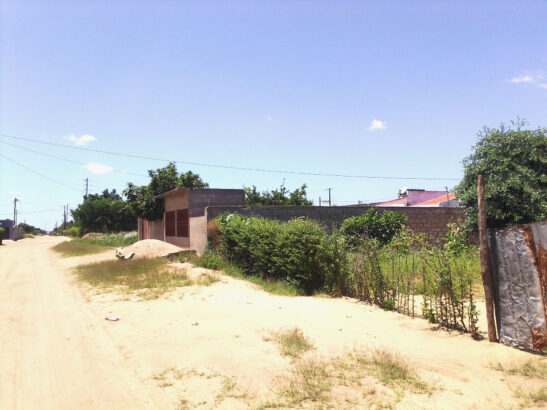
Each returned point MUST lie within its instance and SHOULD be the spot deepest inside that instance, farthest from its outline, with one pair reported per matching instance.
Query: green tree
(281, 196)
(142, 200)
(31, 229)
(513, 161)
(104, 215)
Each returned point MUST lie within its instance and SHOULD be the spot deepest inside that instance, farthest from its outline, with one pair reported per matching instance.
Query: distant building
(7, 224)
(422, 198)
(184, 221)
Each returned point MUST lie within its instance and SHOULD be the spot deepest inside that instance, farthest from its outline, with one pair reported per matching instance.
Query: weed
(529, 368)
(535, 398)
(292, 342)
(79, 247)
(207, 280)
(150, 275)
(312, 380)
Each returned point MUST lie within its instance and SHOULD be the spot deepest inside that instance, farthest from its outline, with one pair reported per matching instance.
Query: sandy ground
(205, 347)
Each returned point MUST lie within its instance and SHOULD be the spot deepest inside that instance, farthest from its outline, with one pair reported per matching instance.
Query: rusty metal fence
(518, 260)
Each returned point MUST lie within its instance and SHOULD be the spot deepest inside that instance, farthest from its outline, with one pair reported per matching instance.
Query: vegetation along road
(213, 341)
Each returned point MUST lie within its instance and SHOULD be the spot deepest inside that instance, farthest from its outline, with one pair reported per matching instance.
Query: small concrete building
(184, 220)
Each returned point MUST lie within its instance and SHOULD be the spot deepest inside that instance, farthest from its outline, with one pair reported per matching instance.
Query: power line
(65, 159)
(32, 212)
(38, 173)
(276, 171)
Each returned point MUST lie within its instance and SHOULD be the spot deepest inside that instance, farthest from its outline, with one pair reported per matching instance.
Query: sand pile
(148, 248)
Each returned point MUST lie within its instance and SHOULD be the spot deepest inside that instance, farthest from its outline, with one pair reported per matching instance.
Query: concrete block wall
(430, 221)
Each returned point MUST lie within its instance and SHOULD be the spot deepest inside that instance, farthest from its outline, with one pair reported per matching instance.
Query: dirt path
(207, 347)
(53, 353)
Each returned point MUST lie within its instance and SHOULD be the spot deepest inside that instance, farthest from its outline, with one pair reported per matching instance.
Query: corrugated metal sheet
(518, 262)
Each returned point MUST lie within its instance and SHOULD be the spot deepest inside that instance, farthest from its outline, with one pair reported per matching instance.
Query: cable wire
(42, 175)
(276, 171)
(66, 159)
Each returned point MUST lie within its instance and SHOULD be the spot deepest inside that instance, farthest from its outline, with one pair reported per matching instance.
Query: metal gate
(518, 260)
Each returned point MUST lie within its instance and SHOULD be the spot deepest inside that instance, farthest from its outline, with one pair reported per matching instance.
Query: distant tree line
(112, 212)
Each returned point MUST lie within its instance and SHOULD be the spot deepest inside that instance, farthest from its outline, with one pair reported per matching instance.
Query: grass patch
(207, 280)
(533, 368)
(292, 342)
(381, 376)
(150, 275)
(79, 247)
(214, 261)
(536, 398)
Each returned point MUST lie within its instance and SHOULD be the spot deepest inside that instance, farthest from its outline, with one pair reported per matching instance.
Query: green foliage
(514, 164)
(29, 229)
(111, 195)
(382, 226)
(293, 251)
(281, 196)
(142, 201)
(78, 247)
(104, 215)
(3, 234)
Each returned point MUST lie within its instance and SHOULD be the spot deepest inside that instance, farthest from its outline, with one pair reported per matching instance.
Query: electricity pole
(64, 216)
(86, 187)
(14, 215)
(330, 203)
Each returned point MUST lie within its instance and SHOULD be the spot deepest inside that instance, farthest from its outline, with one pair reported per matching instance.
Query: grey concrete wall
(430, 221)
(156, 230)
(202, 198)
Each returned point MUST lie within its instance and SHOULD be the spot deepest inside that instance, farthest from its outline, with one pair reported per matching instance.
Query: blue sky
(379, 88)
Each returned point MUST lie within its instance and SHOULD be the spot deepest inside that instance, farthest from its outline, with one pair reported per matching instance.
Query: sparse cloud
(535, 79)
(377, 125)
(523, 79)
(269, 118)
(99, 169)
(83, 140)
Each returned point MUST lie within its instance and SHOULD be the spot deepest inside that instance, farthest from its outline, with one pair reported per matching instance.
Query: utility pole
(330, 203)
(14, 215)
(485, 266)
(64, 216)
(86, 187)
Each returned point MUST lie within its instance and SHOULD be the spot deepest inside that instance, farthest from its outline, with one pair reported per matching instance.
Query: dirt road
(53, 353)
(208, 347)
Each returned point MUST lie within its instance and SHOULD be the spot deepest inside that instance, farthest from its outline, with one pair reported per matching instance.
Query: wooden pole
(485, 267)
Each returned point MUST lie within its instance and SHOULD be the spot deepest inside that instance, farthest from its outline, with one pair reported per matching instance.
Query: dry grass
(292, 342)
(536, 398)
(150, 278)
(79, 247)
(374, 379)
(533, 368)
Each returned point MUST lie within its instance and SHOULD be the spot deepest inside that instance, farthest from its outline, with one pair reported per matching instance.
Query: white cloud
(523, 79)
(83, 140)
(377, 125)
(269, 118)
(96, 168)
(535, 78)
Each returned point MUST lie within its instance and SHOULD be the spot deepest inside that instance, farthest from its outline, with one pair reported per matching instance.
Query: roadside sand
(57, 351)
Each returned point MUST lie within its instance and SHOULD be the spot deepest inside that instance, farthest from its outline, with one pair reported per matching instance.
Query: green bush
(298, 251)
(3, 235)
(75, 231)
(382, 226)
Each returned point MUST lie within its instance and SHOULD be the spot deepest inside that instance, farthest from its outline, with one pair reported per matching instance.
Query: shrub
(298, 251)
(75, 231)
(382, 226)
(3, 234)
